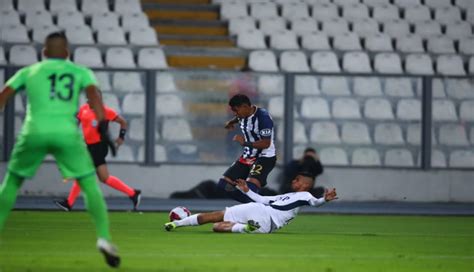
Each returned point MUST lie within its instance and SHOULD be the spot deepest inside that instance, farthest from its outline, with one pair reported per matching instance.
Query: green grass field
(57, 241)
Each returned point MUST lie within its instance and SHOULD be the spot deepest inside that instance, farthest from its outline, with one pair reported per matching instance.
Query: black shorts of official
(98, 153)
(258, 170)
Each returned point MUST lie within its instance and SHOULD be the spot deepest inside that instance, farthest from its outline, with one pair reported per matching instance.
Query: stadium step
(190, 30)
(210, 62)
(188, 2)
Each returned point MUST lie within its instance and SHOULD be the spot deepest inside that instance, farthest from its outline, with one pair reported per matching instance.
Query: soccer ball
(179, 213)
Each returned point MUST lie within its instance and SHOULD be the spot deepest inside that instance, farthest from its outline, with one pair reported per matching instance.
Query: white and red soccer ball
(179, 213)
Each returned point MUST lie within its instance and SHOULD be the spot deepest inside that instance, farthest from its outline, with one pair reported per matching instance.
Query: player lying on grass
(265, 215)
(98, 151)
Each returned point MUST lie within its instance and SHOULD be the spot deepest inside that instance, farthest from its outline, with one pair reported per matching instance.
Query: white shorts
(251, 211)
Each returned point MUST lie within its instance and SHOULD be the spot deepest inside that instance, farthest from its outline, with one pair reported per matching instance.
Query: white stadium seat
(356, 62)
(127, 6)
(367, 86)
(135, 21)
(335, 26)
(437, 3)
(91, 7)
(6, 5)
(112, 101)
(284, 40)
(295, 10)
(460, 88)
(62, 6)
(347, 41)
(461, 159)
(465, 4)
(471, 65)
(450, 65)
(176, 130)
(378, 108)
(41, 32)
(233, 10)
(466, 111)
(270, 26)
(160, 154)
(335, 86)
(355, 11)
(399, 157)
(124, 154)
(104, 81)
(345, 108)
(9, 17)
(414, 135)
(169, 105)
(325, 61)
(145, 36)
(388, 134)
(22, 55)
(38, 18)
(399, 87)
(3, 61)
(111, 36)
(303, 26)
(263, 10)
(441, 45)
(378, 42)
(79, 35)
(356, 133)
(276, 106)
(409, 109)
(27, 6)
(137, 130)
(334, 156)
(419, 64)
(365, 27)
(271, 84)
(263, 61)
(127, 82)
(324, 133)
(388, 63)
(459, 30)
(315, 41)
(453, 135)
(447, 15)
(315, 108)
(427, 29)
(407, 3)
(366, 157)
(417, 13)
(252, 39)
(293, 61)
(105, 20)
(153, 58)
(68, 19)
(306, 85)
(241, 24)
(299, 134)
(325, 11)
(134, 104)
(165, 83)
(345, 2)
(410, 44)
(88, 56)
(119, 57)
(385, 13)
(396, 28)
(374, 3)
(14, 34)
(444, 110)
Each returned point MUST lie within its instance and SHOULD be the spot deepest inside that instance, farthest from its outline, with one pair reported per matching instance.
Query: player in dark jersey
(53, 87)
(98, 151)
(257, 139)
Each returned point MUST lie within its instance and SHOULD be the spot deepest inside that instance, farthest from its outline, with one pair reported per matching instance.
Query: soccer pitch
(58, 241)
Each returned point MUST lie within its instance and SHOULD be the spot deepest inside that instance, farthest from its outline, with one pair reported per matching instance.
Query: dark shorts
(98, 153)
(258, 170)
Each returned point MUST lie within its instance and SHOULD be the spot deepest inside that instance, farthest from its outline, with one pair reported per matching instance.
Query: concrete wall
(352, 184)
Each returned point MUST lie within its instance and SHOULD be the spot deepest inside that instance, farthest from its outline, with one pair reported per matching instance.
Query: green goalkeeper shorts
(68, 149)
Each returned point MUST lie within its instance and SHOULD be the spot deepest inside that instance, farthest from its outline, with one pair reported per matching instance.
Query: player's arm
(230, 124)
(123, 129)
(6, 93)
(265, 126)
(260, 144)
(329, 195)
(242, 186)
(95, 101)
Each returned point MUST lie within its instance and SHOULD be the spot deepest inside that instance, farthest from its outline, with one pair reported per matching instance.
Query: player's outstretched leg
(8, 193)
(96, 206)
(196, 220)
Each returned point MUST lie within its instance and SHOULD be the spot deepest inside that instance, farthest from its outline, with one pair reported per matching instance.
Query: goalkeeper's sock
(119, 185)
(96, 206)
(73, 194)
(188, 221)
(239, 228)
(8, 193)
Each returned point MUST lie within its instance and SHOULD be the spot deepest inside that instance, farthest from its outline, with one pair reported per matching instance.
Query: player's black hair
(56, 35)
(309, 149)
(239, 100)
(307, 174)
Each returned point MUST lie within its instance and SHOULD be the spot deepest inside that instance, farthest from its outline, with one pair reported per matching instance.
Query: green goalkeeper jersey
(52, 88)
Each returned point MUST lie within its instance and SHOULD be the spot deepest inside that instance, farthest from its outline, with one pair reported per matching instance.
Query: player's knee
(224, 185)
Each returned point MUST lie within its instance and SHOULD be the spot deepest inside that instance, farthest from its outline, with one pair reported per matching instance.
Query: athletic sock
(96, 206)
(119, 185)
(8, 192)
(73, 194)
(188, 221)
(239, 228)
